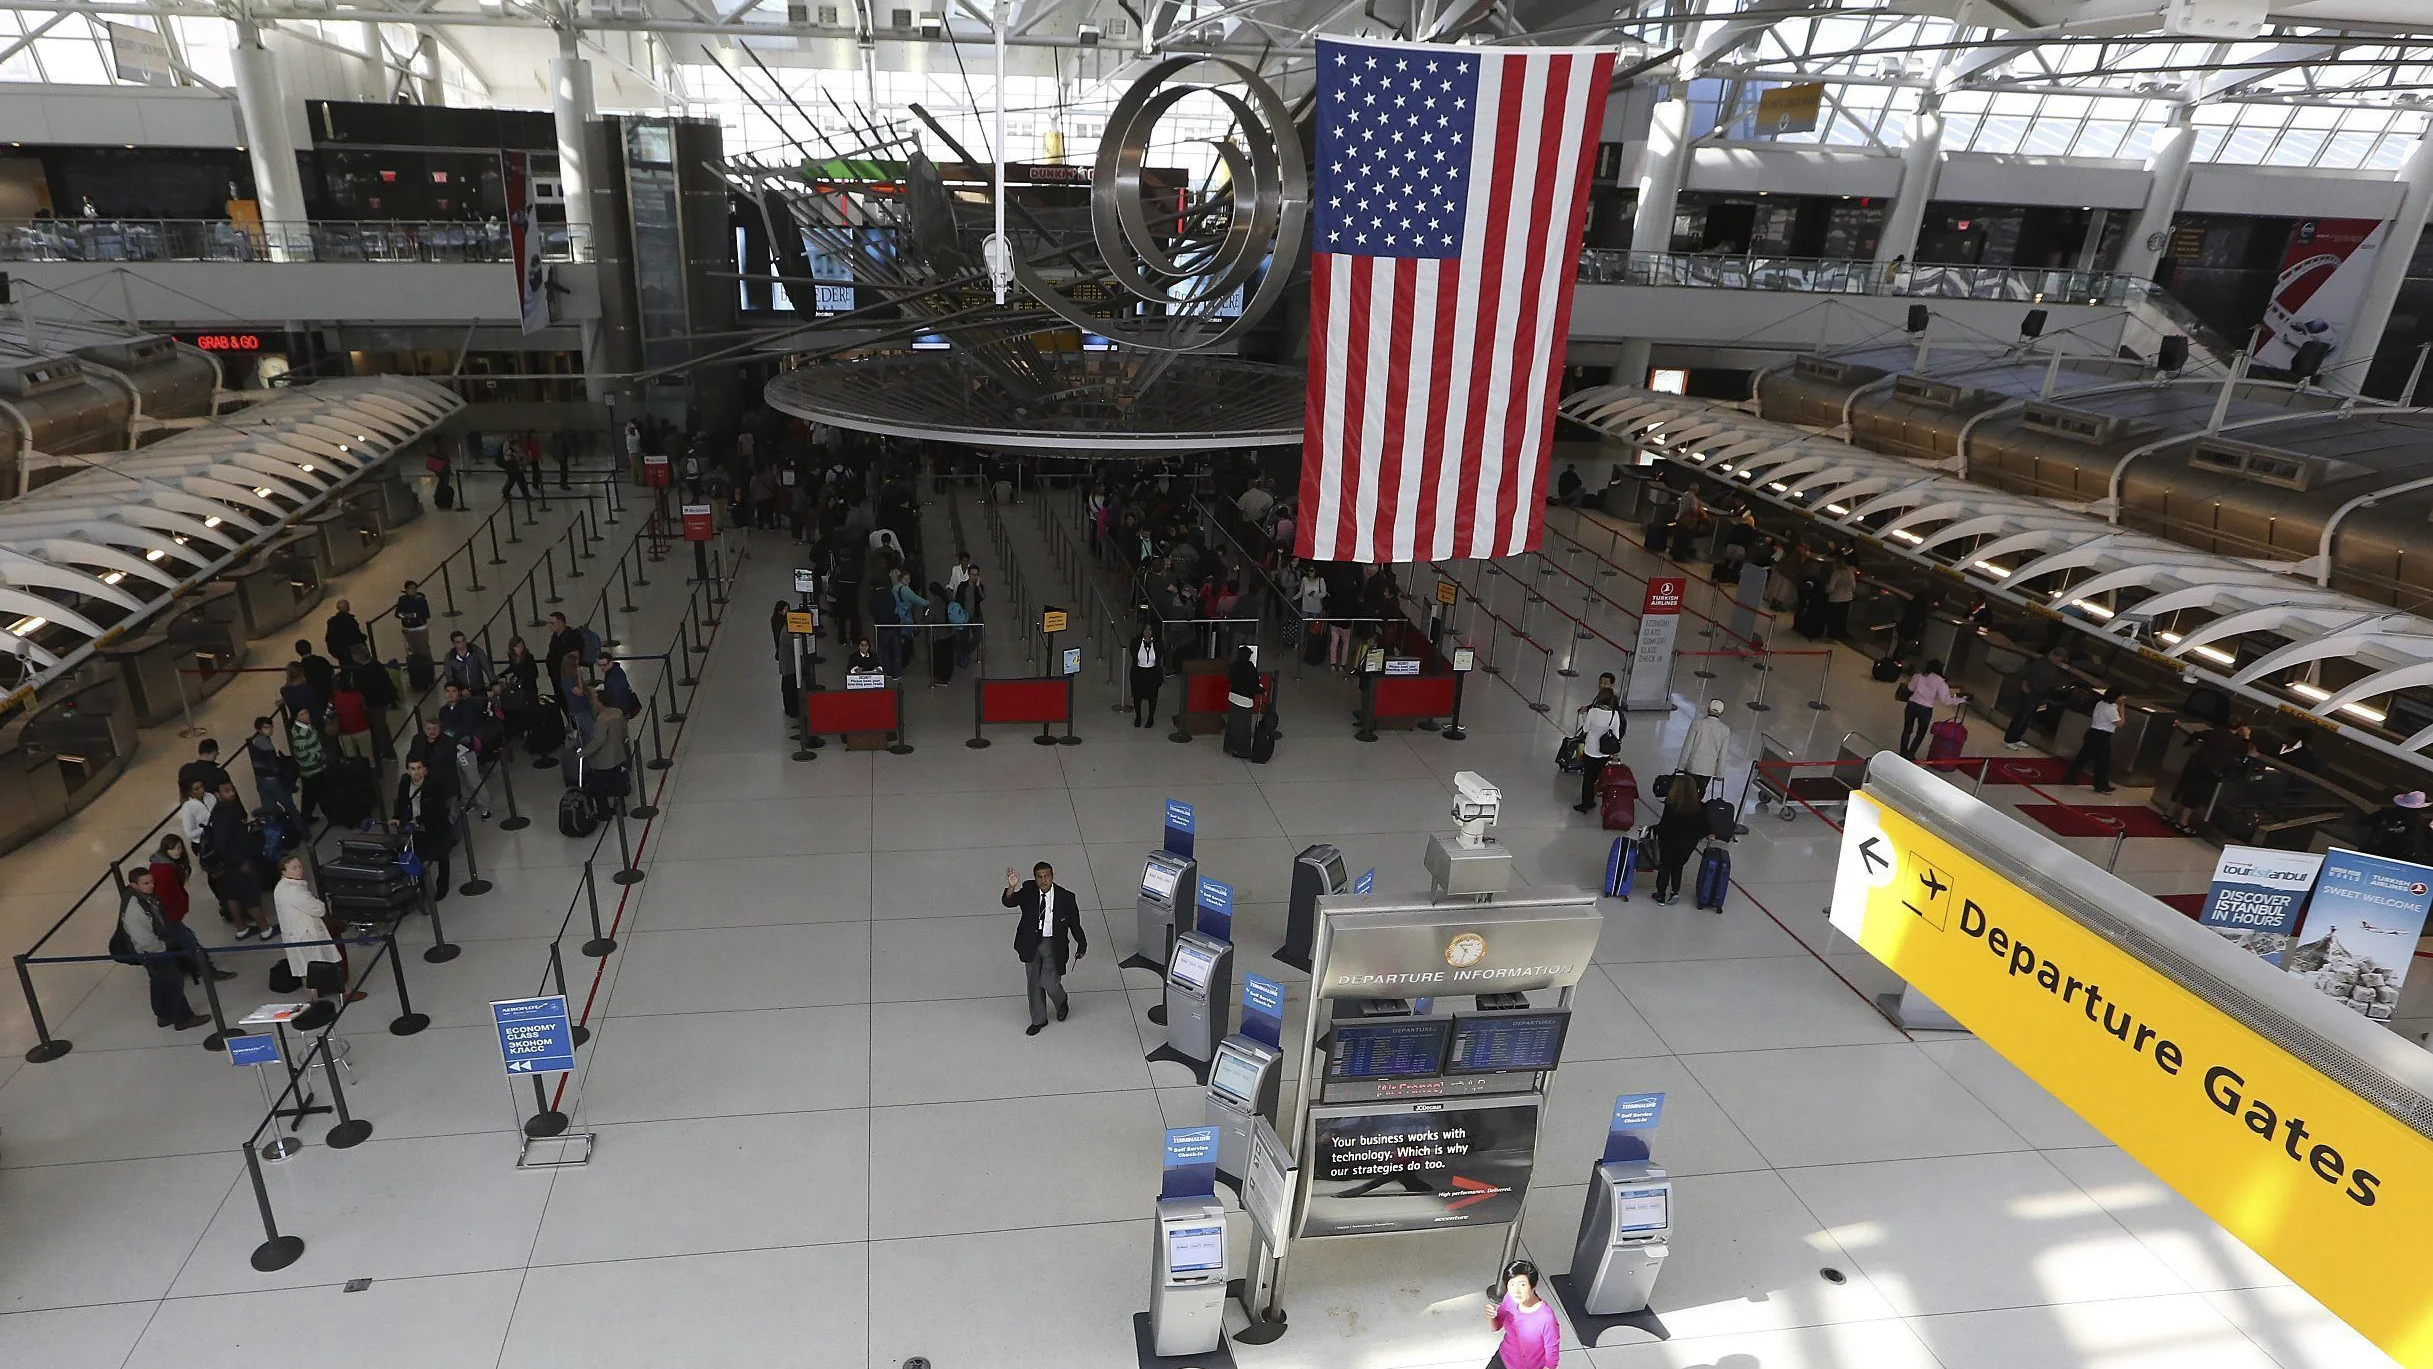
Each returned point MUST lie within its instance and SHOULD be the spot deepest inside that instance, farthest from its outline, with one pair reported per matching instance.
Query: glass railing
(223, 240)
(1828, 276)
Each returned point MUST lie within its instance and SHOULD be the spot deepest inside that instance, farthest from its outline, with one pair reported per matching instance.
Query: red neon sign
(228, 342)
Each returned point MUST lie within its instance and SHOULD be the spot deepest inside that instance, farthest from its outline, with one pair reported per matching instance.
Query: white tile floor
(823, 1138)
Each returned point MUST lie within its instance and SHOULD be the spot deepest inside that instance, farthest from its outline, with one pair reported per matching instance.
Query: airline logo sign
(2333, 1191)
(1664, 594)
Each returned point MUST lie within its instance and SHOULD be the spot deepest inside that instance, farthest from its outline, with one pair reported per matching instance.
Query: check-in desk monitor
(1187, 1277)
(1169, 885)
(1396, 1048)
(1496, 1042)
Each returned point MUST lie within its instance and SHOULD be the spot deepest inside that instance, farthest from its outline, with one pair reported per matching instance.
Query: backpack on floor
(1886, 669)
(1722, 819)
(1714, 877)
(1647, 854)
(578, 814)
(1621, 865)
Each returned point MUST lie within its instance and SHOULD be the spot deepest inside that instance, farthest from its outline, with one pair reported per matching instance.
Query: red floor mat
(2082, 821)
(2002, 769)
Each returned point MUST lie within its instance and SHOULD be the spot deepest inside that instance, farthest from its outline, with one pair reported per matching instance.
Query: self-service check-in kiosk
(1243, 1083)
(1625, 1230)
(1168, 883)
(1188, 1277)
(1316, 871)
(1199, 998)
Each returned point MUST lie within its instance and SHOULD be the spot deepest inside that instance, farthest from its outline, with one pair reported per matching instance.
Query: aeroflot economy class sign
(2336, 1193)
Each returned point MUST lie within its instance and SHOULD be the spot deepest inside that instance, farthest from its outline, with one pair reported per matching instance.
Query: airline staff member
(1148, 674)
(1050, 917)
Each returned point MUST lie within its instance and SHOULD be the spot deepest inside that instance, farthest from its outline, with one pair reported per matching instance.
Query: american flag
(1450, 190)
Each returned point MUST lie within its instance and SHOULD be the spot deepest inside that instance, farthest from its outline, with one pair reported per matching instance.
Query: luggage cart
(1779, 785)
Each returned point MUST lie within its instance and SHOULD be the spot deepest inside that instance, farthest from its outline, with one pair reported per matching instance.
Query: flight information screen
(1399, 1048)
(1485, 1043)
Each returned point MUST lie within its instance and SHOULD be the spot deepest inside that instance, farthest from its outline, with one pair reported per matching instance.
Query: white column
(276, 186)
(1651, 228)
(570, 100)
(2358, 341)
(2142, 248)
(1921, 165)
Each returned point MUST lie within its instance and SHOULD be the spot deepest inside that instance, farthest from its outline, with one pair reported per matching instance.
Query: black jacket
(1067, 923)
(436, 831)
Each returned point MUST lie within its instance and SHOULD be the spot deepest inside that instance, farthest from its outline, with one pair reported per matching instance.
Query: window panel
(2000, 135)
(71, 61)
(2049, 137)
(2346, 150)
(2245, 146)
(2208, 141)
(2100, 138)
(2297, 147)
(2140, 142)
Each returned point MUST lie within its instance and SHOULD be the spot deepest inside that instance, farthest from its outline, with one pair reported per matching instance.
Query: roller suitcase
(421, 673)
(351, 792)
(1714, 877)
(1567, 756)
(1722, 819)
(1621, 866)
(1263, 739)
(1946, 739)
(578, 812)
(1618, 798)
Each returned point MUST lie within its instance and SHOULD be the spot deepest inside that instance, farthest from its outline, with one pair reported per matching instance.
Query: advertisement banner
(524, 233)
(2257, 895)
(2361, 930)
(1651, 657)
(1416, 1167)
(2323, 276)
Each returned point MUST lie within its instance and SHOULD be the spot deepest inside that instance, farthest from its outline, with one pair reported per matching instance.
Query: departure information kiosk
(1199, 998)
(1243, 1083)
(1187, 1279)
(1625, 1232)
(1316, 871)
(1167, 883)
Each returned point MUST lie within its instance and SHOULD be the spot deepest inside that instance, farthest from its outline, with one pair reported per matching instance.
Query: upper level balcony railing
(108, 240)
(1828, 276)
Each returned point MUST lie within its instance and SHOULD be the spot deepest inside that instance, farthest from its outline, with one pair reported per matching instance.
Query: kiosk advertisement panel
(1418, 1166)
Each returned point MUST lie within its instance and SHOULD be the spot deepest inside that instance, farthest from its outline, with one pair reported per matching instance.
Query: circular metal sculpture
(1212, 249)
(1100, 406)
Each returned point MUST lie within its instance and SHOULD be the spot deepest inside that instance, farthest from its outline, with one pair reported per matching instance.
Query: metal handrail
(355, 240)
(1840, 276)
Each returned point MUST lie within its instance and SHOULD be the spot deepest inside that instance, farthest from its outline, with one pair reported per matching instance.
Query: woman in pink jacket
(1533, 1339)
(1928, 691)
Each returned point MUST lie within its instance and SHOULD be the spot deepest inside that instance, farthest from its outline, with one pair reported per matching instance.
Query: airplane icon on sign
(1933, 880)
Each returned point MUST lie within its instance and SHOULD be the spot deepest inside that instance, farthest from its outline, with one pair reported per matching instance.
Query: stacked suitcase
(363, 884)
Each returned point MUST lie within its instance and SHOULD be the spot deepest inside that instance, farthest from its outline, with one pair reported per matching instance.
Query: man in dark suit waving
(1050, 915)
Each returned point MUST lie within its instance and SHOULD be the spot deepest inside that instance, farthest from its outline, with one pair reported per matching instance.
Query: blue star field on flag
(1394, 133)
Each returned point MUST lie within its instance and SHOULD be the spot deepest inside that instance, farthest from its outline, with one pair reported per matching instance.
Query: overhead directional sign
(2156, 1032)
(535, 1036)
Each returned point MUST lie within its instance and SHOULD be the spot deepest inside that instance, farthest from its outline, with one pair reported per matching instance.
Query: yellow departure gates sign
(801, 624)
(1054, 620)
(2333, 1191)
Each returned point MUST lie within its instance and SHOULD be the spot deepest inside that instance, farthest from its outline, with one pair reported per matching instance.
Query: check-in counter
(208, 629)
(1624, 498)
(1991, 671)
(399, 503)
(2137, 746)
(351, 530)
(63, 750)
(279, 581)
(148, 665)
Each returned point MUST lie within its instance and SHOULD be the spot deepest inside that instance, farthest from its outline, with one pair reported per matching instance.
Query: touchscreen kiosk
(1625, 1230)
(1187, 1279)
(1199, 997)
(1316, 871)
(1167, 882)
(1243, 1082)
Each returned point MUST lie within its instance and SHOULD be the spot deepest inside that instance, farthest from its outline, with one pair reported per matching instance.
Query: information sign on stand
(1267, 1185)
(1651, 658)
(1072, 660)
(1366, 884)
(253, 1050)
(806, 582)
(802, 624)
(1632, 1132)
(1054, 620)
(697, 526)
(1191, 1163)
(1463, 660)
(535, 1036)
(655, 472)
(1178, 827)
(865, 679)
(1216, 910)
(2256, 896)
(1263, 1010)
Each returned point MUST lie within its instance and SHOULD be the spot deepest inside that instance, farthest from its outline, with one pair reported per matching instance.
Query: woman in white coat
(304, 917)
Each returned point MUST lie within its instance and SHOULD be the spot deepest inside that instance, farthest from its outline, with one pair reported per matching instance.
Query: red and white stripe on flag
(1451, 190)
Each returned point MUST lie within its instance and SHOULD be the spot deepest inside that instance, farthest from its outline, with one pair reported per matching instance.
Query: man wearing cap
(1702, 751)
(2398, 831)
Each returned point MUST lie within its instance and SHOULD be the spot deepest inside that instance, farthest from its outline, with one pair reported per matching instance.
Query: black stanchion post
(1453, 732)
(684, 663)
(673, 714)
(46, 1046)
(625, 581)
(441, 950)
(557, 968)
(532, 590)
(977, 742)
(631, 873)
(474, 886)
(351, 1130)
(549, 563)
(492, 524)
(658, 760)
(473, 567)
(506, 505)
(276, 1252)
(515, 821)
(220, 1030)
(601, 943)
(547, 1121)
(407, 1022)
(576, 547)
(447, 587)
(902, 746)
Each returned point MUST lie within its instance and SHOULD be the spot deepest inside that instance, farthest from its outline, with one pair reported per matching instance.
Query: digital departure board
(1396, 1048)
(1485, 1043)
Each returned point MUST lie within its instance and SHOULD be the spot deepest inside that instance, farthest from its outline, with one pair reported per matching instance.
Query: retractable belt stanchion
(601, 942)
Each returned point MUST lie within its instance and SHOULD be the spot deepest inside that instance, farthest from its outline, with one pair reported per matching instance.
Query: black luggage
(350, 792)
(544, 729)
(1263, 739)
(421, 673)
(1722, 819)
(578, 812)
(942, 658)
(1886, 670)
(1313, 649)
